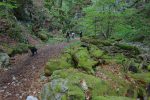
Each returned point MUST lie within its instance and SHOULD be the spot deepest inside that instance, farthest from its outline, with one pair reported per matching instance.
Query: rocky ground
(25, 76)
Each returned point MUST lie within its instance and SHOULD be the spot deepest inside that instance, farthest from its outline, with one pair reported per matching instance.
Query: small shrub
(19, 49)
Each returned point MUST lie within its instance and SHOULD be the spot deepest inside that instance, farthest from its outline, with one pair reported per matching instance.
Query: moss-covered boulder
(56, 64)
(118, 58)
(95, 51)
(65, 85)
(111, 98)
(55, 90)
(68, 58)
(132, 49)
(83, 60)
(97, 42)
(43, 36)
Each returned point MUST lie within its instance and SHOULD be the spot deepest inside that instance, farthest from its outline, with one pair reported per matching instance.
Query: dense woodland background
(114, 31)
(128, 19)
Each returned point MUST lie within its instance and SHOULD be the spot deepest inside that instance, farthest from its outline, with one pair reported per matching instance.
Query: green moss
(107, 42)
(54, 90)
(132, 49)
(64, 97)
(97, 86)
(72, 48)
(95, 51)
(142, 76)
(75, 93)
(148, 67)
(56, 64)
(57, 88)
(43, 36)
(97, 41)
(118, 58)
(111, 98)
(67, 57)
(65, 61)
(83, 60)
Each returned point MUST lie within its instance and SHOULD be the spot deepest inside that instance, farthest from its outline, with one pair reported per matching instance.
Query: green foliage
(142, 76)
(99, 19)
(63, 13)
(19, 49)
(15, 32)
(9, 4)
(108, 18)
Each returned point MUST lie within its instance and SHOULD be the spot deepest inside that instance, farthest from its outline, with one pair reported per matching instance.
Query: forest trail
(25, 77)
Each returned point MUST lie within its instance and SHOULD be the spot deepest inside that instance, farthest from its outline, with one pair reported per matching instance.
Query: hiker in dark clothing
(68, 36)
(81, 35)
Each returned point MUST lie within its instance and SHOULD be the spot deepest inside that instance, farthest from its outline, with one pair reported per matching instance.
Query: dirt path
(25, 76)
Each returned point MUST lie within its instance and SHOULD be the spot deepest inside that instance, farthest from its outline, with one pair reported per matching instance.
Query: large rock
(4, 60)
(57, 64)
(55, 90)
(31, 98)
(83, 60)
(66, 85)
(95, 51)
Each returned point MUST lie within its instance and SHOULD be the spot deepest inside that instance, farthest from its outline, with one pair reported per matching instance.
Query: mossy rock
(70, 78)
(43, 36)
(67, 57)
(19, 49)
(118, 58)
(96, 85)
(56, 64)
(83, 60)
(55, 90)
(107, 42)
(98, 42)
(111, 98)
(130, 48)
(95, 51)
